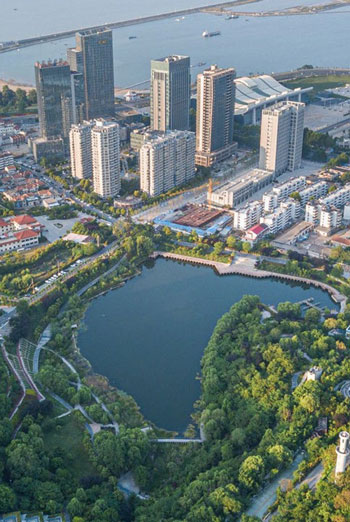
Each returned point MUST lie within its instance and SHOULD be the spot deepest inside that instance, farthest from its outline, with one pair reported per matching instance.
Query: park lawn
(70, 440)
(319, 83)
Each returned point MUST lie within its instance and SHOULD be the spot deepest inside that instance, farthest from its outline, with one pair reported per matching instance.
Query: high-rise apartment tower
(215, 107)
(281, 138)
(167, 161)
(105, 158)
(81, 150)
(170, 93)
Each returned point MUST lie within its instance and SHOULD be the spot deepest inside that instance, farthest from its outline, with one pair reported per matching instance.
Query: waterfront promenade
(235, 268)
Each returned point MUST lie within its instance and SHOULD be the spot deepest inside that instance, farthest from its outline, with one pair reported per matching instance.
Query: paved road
(268, 496)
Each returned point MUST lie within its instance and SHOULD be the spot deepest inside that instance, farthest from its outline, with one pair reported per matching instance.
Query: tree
(7, 499)
(251, 472)
(74, 507)
(218, 248)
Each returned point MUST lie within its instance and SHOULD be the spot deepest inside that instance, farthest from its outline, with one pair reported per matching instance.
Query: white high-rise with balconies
(167, 161)
(81, 150)
(105, 158)
(281, 137)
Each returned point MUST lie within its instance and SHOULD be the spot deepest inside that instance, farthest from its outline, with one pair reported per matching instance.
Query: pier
(232, 269)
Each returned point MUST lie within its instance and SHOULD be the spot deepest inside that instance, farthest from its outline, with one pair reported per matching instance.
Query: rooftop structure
(342, 453)
(255, 94)
(235, 192)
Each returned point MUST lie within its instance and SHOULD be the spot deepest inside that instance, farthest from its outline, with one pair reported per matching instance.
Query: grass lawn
(319, 83)
(69, 439)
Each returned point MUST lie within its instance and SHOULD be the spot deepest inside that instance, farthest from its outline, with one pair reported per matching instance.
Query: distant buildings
(93, 58)
(170, 93)
(81, 150)
(281, 137)
(215, 106)
(167, 161)
(105, 158)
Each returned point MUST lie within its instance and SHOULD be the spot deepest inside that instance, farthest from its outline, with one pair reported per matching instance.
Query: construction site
(196, 218)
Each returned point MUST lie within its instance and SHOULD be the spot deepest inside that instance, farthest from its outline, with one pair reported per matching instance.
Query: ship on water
(207, 34)
(232, 17)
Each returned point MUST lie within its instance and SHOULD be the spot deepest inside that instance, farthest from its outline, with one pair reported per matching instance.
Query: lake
(148, 337)
(252, 45)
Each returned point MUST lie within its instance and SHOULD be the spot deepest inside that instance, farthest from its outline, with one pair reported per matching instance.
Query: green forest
(254, 424)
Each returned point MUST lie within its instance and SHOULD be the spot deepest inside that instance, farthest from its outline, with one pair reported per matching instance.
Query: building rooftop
(259, 90)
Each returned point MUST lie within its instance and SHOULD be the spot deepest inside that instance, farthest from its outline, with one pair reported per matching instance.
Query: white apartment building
(248, 216)
(81, 150)
(282, 217)
(277, 194)
(330, 218)
(316, 191)
(105, 158)
(338, 198)
(167, 161)
(281, 137)
(6, 160)
(312, 212)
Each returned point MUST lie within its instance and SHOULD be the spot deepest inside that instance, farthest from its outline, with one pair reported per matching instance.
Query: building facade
(81, 150)
(170, 93)
(54, 90)
(247, 216)
(167, 161)
(93, 59)
(214, 120)
(105, 158)
(281, 137)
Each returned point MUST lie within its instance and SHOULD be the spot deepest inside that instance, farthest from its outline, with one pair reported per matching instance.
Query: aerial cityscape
(175, 261)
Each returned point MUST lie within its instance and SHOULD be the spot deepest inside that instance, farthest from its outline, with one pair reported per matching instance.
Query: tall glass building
(93, 58)
(54, 90)
(170, 93)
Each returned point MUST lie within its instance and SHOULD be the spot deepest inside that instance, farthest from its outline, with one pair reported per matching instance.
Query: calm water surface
(148, 337)
(252, 45)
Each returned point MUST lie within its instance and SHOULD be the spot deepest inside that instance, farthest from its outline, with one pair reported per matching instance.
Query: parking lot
(57, 228)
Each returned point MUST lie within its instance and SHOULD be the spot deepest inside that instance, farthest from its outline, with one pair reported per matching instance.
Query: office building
(93, 59)
(81, 150)
(167, 161)
(281, 137)
(54, 91)
(48, 148)
(170, 93)
(214, 124)
(105, 158)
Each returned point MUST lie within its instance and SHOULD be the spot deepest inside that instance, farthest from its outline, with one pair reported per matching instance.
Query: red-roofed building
(5, 226)
(17, 240)
(26, 222)
(256, 232)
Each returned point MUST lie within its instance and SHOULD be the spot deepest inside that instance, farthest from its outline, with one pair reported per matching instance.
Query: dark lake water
(148, 337)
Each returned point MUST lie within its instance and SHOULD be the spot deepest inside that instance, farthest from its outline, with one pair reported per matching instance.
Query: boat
(206, 34)
(232, 17)
(132, 37)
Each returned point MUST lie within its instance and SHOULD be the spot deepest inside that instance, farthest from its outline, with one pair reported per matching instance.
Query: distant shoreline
(13, 84)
